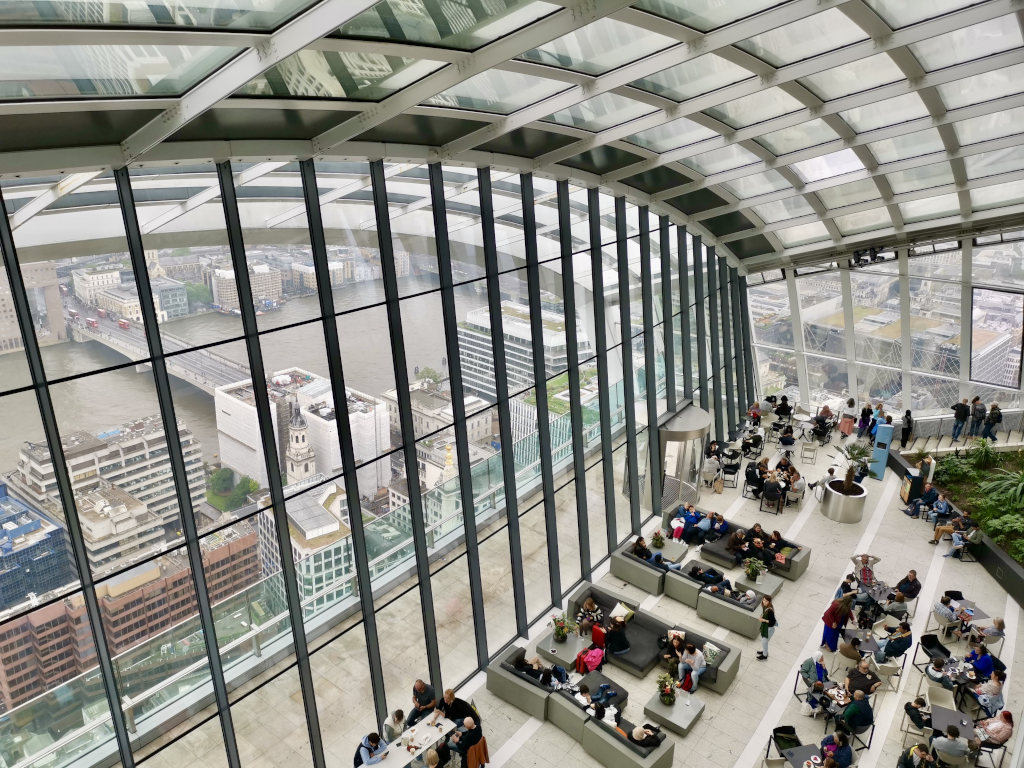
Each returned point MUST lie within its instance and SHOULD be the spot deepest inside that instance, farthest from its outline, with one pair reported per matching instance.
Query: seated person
(989, 694)
(737, 546)
(981, 659)
(784, 410)
(850, 649)
(756, 532)
(672, 654)
(372, 749)
(895, 644)
(861, 679)
(918, 714)
(962, 523)
(710, 470)
(915, 757)
(454, 708)
(685, 517)
(754, 413)
(783, 464)
(746, 599)
(713, 449)
(757, 549)
(395, 724)
(698, 532)
(939, 509)
(423, 702)
(815, 676)
(950, 743)
(692, 661)
(466, 737)
(857, 715)
(796, 482)
(530, 667)
(821, 426)
(660, 562)
(603, 696)
(640, 549)
(773, 488)
(837, 746)
(605, 712)
(615, 640)
(786, 440)
(910, 585)
(978, 634)
(826, 413)
(929, 497)
(718, 528)
(754, 479)
(828, 477)
(995, 731)
(864, 570)
(590, 611)
(936, 672)
(709, 576)
(644, 736)
(776, 543)
(751, 440)
(896, 606)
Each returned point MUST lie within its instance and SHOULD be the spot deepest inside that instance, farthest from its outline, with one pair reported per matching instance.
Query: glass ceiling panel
(693, 78)
(803, 234)
(995, 126)
(780, 210)
(857, 76)
(798, 137)
(705, 15)
(210, 14)
(600, 112)
(913, 179)
(983, 87)
(827, 166)
(849, 194)
(497, 91)
(75, 71)
(445, 23)
(599, 47)
(718, 160)
(672, 135)
(906, 146)
(863, 221)
(756, 184)
(878, 114)
(997, 161)
(903, 13)
(799, 40)
(330, 74)
(755, 108)
(997, 196)
(968, 43)
(930, 208)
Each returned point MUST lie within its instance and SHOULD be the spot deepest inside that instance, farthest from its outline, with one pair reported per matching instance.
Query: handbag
(719, 486)
(780, 558)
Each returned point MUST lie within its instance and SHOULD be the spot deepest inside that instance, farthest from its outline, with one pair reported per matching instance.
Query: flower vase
(560, 637)
(668, 699)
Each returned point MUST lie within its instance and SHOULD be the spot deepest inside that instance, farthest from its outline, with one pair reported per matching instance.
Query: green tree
(430, 374)
(197, 294)
(222, 481)
(246, 485)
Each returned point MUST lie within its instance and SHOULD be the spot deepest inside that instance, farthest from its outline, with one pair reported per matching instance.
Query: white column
(905, 342)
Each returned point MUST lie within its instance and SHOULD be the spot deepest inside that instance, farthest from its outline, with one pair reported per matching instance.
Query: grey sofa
(796, 562)
(679, 586)
(637, 572)
(518, 689)
(610, 748)
(569, 715)
(728, 613)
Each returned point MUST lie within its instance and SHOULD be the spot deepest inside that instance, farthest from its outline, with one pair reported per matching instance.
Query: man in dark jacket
(463, 741)
(929, 497)
(708, 576)
(372, 749)
(910, 586)
(961, 412)
(895, 643)
(914, 757)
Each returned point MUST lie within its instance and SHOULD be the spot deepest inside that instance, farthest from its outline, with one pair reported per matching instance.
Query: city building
(117, 528)
(264, 281)
(35, 554)
(239, 437)
(43, 288)
(88, 282)
(132, 457)
(123, 301)
(303, 276)
(432, 411)
(170, 297)
(300, 457)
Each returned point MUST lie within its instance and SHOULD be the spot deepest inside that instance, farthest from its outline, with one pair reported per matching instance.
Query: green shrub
(982, 453)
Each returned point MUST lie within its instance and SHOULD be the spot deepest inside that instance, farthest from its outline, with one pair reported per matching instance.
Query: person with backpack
(977, 416)
(992, 422)
(372, 750)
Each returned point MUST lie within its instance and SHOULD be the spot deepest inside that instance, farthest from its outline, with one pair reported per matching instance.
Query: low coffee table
(563, 654)
(678, 718)
(770, 584)
(673, 551)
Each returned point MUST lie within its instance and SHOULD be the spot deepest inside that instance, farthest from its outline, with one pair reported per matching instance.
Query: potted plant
(563, 625)
(657, 539)
(666, 689)
(754, 568)
(844, 498)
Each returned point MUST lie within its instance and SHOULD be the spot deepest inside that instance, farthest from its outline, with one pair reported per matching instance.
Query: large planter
(837, 506)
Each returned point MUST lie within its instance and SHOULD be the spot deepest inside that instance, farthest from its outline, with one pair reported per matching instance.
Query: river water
(100, 401)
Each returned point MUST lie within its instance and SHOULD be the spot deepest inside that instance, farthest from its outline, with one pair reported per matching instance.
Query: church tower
(300, 456)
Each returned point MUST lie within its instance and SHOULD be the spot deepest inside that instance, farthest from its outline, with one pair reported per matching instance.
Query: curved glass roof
(781, 131)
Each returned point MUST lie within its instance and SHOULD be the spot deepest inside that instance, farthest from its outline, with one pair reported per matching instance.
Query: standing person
(423, 702)
(992, 422)
(768, 626)
(865, 420)
(847, 418)
(908, 427)
(835, 618)
(977, 416)
(961, 412)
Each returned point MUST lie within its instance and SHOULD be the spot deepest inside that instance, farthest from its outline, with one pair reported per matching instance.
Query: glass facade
(501, 343)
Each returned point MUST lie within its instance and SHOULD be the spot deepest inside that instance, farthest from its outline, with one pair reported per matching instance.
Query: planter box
(841, 508)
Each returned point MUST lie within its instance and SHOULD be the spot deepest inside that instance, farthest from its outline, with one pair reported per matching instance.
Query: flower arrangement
(754, 567)
(563, 625)
(658, 539)
(666, 688)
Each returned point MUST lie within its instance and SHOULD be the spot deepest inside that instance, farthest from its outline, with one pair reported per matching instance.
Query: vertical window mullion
(647, 298)
(667, 316)
(684, 314)
(743, 398)
(750, 370)
(628, 378)
(711, 265)
(698, 296)
(727, 356)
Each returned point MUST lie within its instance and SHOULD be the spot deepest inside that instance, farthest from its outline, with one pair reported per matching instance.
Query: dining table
(413, 742)
(798, 756)
(943, 717)
(868, 643)
(977, 614)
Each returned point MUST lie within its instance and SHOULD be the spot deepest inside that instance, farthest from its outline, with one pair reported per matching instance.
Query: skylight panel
(968, 43)
(756, 184)
(827, 166)
(930, 208)
(678, 133)
(997, 196)
(601, 112)
(854, 77)
(694, 77)
(863, 221)
(720, 160)
(906, 146)
(599, 47)
(803, 234)
(994, 126)
(922, 177)
(801, 136)
(705, 15)
(755, 108)
(991, 163)
(983, 87)
(879, 114)
(497, 91)
(849, 194)
(804, 38)
(780, 210)
(903, 13)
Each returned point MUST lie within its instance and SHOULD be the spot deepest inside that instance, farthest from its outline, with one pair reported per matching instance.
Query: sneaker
(933, 541)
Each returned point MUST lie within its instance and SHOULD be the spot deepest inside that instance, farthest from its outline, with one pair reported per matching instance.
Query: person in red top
(835, 619)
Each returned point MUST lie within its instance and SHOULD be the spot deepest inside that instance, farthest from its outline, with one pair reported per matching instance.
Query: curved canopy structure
(785, 132)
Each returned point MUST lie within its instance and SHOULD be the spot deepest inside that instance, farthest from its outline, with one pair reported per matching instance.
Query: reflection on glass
(191, 13)
(907, 146)
(826, 166)
(798, 40)
(984, 87)
(105, 71)
(802, 234)
(598, 47)
(786, 208)
(694, 77)
(929, 208)
(878, 114)
(854, 77)
(968, 43)
(863, 221)
(996, 337)
(705, 15)
(800, 136)
(497, 91)
(600, 112)
(719, 160)
(755, 108)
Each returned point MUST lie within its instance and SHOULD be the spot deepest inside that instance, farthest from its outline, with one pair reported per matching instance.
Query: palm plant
(982, 453)
(857, 456)
(1007, 486)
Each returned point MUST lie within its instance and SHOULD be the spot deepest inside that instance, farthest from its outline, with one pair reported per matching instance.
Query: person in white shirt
(692, 661)
(605, 712)
(394, 725)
